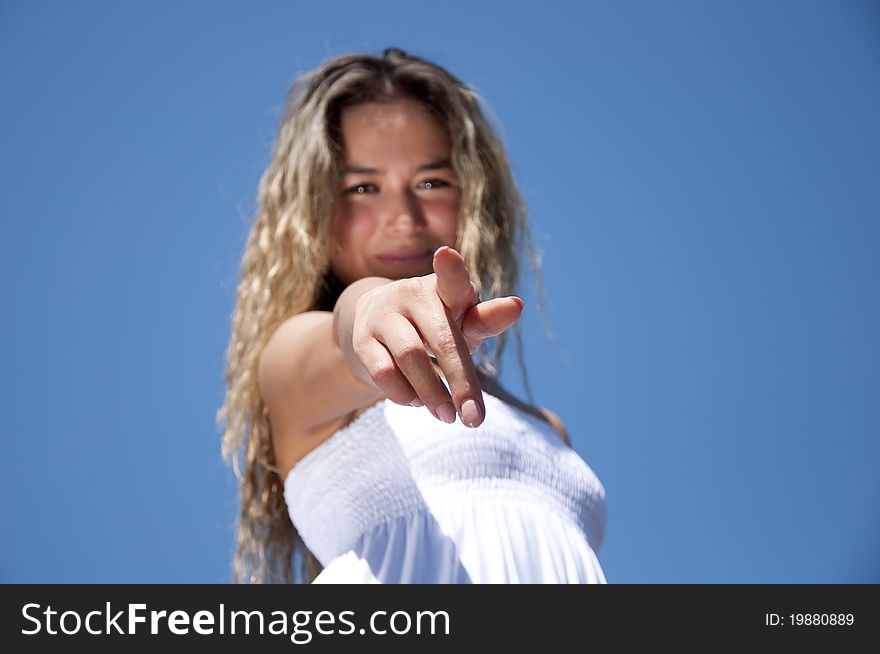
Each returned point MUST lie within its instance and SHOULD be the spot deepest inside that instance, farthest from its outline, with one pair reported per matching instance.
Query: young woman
(374, 448)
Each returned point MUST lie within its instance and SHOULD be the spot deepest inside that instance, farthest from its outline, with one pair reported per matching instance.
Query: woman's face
(398, 198)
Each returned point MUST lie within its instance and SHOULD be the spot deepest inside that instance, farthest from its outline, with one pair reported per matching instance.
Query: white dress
(398, 496)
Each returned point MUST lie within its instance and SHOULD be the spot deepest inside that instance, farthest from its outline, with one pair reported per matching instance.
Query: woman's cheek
(361, 218)
(446, 218)
(353, 224)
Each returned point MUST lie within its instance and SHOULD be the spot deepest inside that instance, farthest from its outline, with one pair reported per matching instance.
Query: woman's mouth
(404, 260)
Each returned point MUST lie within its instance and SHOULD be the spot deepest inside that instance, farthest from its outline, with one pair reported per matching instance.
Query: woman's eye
(435, 183)
(361, 188)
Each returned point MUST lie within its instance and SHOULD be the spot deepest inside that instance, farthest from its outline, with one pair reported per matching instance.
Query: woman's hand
(397, 326)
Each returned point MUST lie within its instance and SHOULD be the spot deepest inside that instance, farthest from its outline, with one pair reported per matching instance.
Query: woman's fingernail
(446, 413)
(416, 402)
(470, 412)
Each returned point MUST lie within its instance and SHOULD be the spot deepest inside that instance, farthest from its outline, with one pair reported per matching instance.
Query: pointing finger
(454, 285)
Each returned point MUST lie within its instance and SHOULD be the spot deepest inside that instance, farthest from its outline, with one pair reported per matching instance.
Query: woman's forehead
(389, 117)
(392, 130)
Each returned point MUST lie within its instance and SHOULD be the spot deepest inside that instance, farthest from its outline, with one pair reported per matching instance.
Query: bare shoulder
(492, 386)
(307, 388)
(554, 420)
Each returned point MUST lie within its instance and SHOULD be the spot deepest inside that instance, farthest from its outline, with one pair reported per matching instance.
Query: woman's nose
(403, 211)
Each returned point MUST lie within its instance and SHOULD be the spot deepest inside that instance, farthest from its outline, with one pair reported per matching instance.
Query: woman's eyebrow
(433, 165)
(436, 165)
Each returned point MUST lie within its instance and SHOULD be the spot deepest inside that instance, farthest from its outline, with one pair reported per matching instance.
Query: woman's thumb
(490, 318)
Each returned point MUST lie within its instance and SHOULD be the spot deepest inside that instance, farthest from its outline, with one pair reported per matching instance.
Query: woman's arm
(306, 381)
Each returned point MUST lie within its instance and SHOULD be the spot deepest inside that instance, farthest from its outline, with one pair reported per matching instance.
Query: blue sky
(702, 177)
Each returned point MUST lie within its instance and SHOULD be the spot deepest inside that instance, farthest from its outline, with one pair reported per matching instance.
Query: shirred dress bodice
(397, 496)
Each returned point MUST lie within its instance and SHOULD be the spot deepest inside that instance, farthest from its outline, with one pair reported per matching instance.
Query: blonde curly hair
(285, 266)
